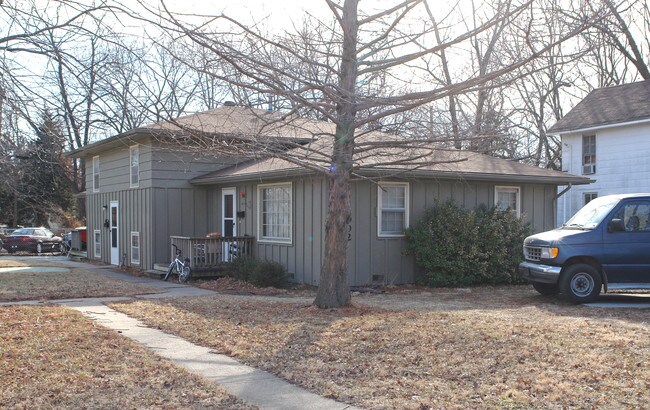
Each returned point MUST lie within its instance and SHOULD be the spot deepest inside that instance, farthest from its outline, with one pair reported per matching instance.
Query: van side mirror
(616, 225)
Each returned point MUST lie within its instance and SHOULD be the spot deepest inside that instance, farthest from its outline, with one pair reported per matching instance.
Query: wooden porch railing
(212, 253)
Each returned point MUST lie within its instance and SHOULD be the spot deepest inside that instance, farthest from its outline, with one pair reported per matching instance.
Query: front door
(228, 221)
(114, 233)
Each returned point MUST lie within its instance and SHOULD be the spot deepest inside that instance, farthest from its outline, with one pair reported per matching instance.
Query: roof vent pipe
(229, 104)
(270, 100)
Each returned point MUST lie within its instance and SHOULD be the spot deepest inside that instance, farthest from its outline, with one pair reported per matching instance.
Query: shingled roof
(225, 121)
(608, 106)
(443, 163)
(315, 154)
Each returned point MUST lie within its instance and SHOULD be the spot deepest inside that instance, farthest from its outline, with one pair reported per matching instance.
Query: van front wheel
(581, 283)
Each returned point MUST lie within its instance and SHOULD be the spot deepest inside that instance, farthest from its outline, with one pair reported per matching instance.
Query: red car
(37, 240)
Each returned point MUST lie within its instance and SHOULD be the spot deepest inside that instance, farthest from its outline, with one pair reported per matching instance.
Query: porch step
(160, 267)
(155, 274)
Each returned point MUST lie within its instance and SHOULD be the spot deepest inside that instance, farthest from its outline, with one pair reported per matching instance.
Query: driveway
(622, 301)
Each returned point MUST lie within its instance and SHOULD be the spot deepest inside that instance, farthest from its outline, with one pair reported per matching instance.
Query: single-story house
(146, 191)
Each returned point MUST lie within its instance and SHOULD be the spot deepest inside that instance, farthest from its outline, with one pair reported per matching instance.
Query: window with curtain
(506, 198)
(274, 213)
(393, 217)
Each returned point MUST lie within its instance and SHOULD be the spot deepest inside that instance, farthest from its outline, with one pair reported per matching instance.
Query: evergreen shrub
(259, 273)
(458, 247)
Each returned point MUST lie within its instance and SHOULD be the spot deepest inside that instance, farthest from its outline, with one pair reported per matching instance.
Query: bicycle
(182, 267)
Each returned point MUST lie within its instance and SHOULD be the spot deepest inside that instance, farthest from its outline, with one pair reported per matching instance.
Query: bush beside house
(259, 273)
(458, 247)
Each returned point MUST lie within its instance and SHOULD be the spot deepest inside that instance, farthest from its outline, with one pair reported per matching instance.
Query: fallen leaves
(486, 348)
(52, 357)
(74, 283)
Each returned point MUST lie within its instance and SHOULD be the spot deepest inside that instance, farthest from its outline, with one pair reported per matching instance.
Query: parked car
(37, 240)
(604, 246)
(4, 231)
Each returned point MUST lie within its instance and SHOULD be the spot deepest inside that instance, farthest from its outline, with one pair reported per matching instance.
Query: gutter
(397, 174)
(564, 191)
(555, 200)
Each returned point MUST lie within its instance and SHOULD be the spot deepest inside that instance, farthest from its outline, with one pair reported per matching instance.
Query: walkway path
(254, 386)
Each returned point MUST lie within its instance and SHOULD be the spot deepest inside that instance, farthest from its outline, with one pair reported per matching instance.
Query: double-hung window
(135, 248)
(506, 198)
(274, 212)
(97, 239)
(96, 173)
(135, 166)
(590, 196)
(588, 154)
(393, 209)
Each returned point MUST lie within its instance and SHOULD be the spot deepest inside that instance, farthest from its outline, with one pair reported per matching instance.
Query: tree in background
(37, 189)
(359, 70)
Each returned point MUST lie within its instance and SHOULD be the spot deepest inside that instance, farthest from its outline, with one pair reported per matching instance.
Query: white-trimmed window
(506, 198)
(588, 154)
(393, 208)
(135, 166)
(135, 248)
(97, 241)
(274, 212)
(96, 173)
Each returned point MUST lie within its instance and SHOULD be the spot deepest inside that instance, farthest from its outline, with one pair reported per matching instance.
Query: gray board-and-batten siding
(166, 204)
(371, 259)
(163, 204)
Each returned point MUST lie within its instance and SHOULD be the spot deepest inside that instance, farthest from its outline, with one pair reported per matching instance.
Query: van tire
(546, 288)
(581, 283)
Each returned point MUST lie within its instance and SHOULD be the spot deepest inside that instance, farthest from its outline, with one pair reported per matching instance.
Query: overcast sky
(283, 12)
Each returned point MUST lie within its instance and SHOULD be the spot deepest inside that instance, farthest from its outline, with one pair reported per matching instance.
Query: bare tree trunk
(333, 290)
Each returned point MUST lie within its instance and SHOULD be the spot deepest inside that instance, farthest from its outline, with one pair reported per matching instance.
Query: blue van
(604, 246)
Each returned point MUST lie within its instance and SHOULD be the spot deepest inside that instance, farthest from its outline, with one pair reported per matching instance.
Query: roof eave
(481, 176)
(131, 136)
(258, 176)
(448, 175)
(560, 131)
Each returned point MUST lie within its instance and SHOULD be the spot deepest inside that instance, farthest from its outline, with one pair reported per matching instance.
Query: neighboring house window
(590, 196)
(274, 212)
(393, 204)
(506, 198)
(96, 174)
(135, 166)
(589, 154)
(135, 248)
(97, 235)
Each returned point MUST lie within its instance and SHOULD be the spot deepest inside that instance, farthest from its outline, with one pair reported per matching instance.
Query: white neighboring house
(605, 137)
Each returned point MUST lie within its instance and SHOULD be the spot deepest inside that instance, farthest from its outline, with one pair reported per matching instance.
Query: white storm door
(114, 234)
(228, 220)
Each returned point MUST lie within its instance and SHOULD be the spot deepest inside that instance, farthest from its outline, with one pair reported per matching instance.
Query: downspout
(558, 195)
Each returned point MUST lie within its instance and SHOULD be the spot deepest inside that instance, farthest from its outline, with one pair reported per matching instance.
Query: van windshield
(592, 214)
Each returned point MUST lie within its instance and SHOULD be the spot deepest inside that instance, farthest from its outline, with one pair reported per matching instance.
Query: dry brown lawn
(53, 357)
(482, 348)
(68, 284)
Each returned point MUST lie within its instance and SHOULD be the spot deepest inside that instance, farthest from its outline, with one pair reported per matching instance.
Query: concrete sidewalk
(254, 386)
